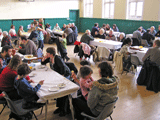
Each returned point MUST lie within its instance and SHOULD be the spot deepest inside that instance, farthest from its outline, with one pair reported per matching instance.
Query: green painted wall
(126, 26)
(5, 25)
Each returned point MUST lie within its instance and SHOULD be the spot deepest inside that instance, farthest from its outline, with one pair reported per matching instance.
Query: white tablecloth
(140, 54)
(58, 32)
(115, 33)
(129, 35)
(52, 78)
(106, 43)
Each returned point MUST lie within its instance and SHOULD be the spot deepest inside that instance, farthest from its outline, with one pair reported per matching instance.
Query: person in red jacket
(7, 78)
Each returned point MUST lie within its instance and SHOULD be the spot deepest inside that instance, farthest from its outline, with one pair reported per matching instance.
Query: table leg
(71, 106)
(46, 110)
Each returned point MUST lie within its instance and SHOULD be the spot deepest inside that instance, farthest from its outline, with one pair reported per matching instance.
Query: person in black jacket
(101, 34)
(87, 37)
(148, 36)
(58, 65)
(95, 30)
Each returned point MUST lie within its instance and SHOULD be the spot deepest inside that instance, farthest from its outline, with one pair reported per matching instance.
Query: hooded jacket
(104, 91)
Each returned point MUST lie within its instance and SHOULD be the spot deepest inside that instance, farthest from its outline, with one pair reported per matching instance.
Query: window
(135, 9)
(108, 11)
(88, 8)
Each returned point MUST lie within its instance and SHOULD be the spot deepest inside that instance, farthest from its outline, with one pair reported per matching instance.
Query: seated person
(149, 37)
(6, 40)
(30, 26)
(25, 90)
(56, 27)
(111, 36)
(47, 26)
(108, 27)
(101, 34)
(69, 25)
(7, 78)
(64, 27)
(137, 34)
(115, 28)
(87, 37)
(153, 31)
(29, 46)
(74, 28)
(5, 57)
(20, 31)
(68, 30)
(126, 59)
(98, 96)
(12, 32)
(153, 54)
(34, 36)
(1, 36)
(143, 30)
(158, 33)
(104, 27)
(95, 30)
(121, 37)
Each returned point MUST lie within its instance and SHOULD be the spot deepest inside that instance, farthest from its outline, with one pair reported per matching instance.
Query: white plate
(61, 85)
(53, 89)
(41, 67)
(26, 57)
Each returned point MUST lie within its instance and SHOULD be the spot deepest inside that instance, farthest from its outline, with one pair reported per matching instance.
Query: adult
(64, 27)
(153, 31)
(153, 54)
(121, 37)
(158, 33)
(5, 56)
(115, 28)
(149, 37)
(29, 46)
(1, 36)
(34, 36)
(12, 32)
(6, 40)
(126, 59)
(68, 30)
(95, 30)
(137, 35)
(143, 30)
(56, 27)
(20, 31)
(111, 36)
(58, 65)
(7, 78)
(104, 26)
(40, 35)
(108, 27)
(102, 34)
(74, 28)
(71, 38)
(87, 37)
(103, 91)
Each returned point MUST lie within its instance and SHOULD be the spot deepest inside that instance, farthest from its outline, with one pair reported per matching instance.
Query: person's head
(152, 28)
(35, 23)
(23, 39)
(121, 36)
(104, 25)
(96, 24)
(88, 32)
(23, 70)
(5, 33)
(67, 26)
(105, 69)
(21, 27)
(148, 30)
(156, 43)
(12, 27)
(7, 51)
(41, 20)
(107, 26)
(56, 24)
(64, 25)
(14, 62)
(85, 72)
(51, 51)
(85, 62)
(73, 24)
(110, 32)
(114, 26)
(159, 27)
(64, 35)
(101, 31)
(129, 41)
(140, 29)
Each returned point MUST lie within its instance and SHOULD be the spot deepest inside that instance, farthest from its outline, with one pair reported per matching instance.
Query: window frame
(103, 7)
(88, 4)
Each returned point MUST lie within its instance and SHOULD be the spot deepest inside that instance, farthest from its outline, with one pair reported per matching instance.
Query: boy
(25, 90)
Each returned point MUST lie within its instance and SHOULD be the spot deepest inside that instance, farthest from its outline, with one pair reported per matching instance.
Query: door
(74, 17)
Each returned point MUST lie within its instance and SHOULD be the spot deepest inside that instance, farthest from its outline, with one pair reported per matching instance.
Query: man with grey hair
(6, 39)
(1, 36)
(87, 37)
(153, 31)
(153, 53)
(74, 28)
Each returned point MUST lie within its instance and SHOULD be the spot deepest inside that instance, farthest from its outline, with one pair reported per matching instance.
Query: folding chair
(16, 107)
(4, 103)
(106, 112)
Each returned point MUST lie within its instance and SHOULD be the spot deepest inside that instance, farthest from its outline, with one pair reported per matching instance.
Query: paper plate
(61, 85)
(41, 67)
(53, 89)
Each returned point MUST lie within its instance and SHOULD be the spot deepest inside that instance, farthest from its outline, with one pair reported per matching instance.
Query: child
(25, 90)
(85, 80)
(64, 43)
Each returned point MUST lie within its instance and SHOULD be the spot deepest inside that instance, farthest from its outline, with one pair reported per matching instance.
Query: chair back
(103, 52)
(136, 42)
(144, 43)
(107, 111)
(135, 60)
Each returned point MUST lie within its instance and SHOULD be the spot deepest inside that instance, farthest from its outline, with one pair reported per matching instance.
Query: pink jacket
(85, 85)
(86, 48)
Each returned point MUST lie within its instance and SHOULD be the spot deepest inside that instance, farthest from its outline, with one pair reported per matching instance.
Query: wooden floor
(134, 103)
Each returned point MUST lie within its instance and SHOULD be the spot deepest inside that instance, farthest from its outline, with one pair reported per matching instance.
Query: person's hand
(30, 81)
(41, 82)
(73, 75)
